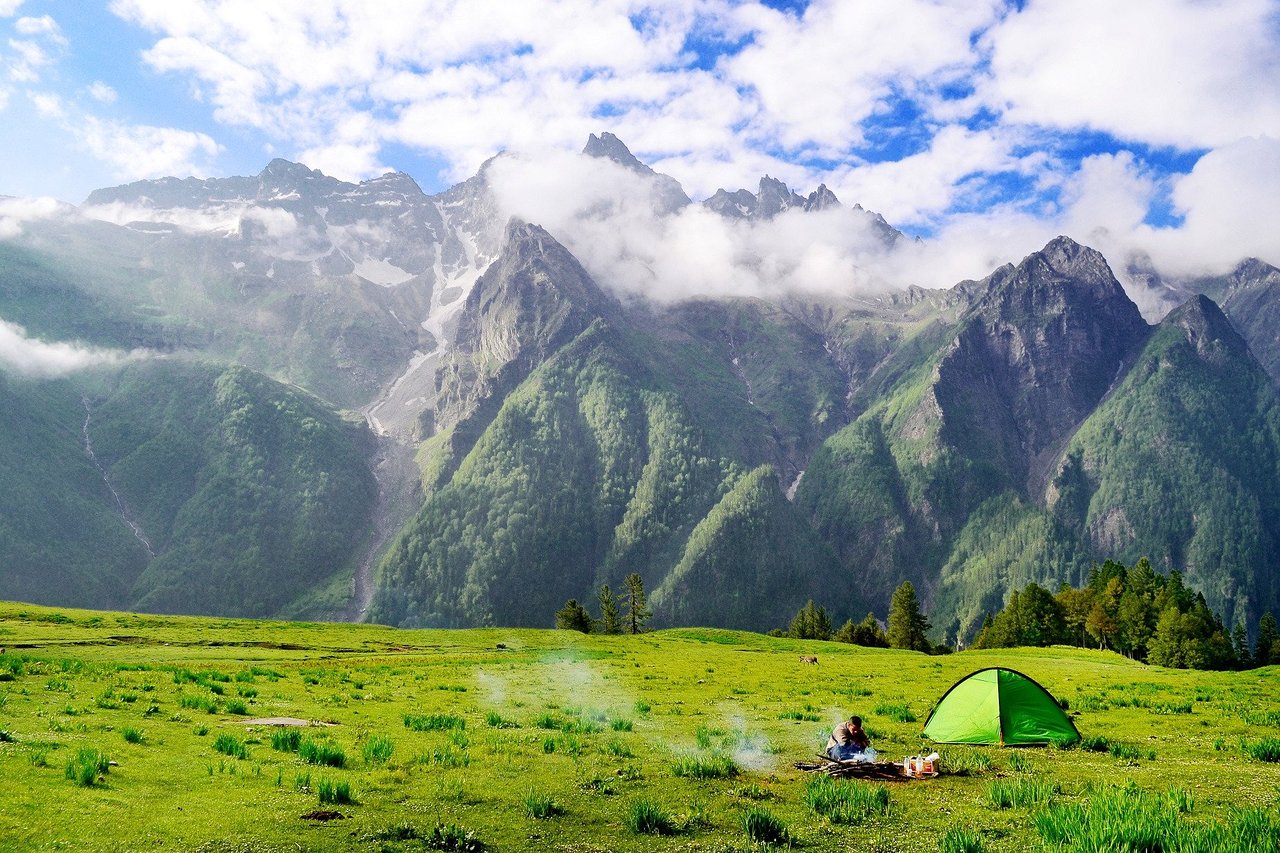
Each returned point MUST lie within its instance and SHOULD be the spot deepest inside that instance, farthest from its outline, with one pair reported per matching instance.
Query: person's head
(856, 722)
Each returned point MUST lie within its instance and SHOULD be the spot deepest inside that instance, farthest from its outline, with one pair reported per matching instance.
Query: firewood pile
(874, 771)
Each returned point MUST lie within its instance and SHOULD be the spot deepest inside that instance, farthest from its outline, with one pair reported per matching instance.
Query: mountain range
(360, 401)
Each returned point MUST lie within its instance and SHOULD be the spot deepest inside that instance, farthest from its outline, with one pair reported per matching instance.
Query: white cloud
(33, 357)
(28, 58)
(919, 188)
(143, 151)
(607, 216)
(1231, 203)
(15, 211)
(48, 105)
(9, 8)
(102, 93)
(1188, 73)
(820, 76)
(42, 26)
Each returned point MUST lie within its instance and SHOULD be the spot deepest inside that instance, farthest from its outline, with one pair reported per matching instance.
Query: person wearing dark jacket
(847, 740)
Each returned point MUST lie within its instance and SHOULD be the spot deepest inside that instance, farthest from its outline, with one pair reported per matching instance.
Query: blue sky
(1150, 125)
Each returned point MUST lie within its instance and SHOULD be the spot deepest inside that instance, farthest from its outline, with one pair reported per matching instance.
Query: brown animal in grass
(813, 659)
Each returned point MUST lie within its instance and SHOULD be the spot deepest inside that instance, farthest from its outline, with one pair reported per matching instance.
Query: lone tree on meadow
(907, 626)
(610, 619)
(638, 612)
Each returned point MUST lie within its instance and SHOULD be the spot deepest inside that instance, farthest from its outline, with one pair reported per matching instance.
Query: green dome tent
(999, 706)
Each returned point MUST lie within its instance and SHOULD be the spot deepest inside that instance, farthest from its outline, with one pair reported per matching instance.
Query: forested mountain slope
(741, 453)
(247, 496)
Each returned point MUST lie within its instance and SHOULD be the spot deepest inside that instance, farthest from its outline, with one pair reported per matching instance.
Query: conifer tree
(638, 612)
(908, 628)
(610, 618)
(1268, 636)
(1240, 645)
(811, 623)
(573, 617)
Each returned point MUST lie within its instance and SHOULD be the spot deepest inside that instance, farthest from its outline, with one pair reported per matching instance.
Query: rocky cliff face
(1040, 348)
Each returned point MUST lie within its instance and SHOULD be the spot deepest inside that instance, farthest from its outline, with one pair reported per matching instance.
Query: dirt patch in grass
(324, 814)
(284, 721)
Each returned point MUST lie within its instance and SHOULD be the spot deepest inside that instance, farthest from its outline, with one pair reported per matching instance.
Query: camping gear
(999, 706)
(920, 767)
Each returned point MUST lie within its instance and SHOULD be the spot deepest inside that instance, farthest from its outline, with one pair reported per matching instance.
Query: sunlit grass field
(126, 732)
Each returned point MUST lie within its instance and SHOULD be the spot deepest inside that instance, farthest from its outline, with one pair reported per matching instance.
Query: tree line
(906, 628)
(1135, 611)
(632, 619)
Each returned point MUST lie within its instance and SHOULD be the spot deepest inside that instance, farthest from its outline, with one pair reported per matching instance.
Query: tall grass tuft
(230, 745)
(957, 840)
(1267, 749)
(87, 767)
(1019, 793)
(649, 818)
(717, 765)
(845, 802)
(495, 720)
(1130, 819)
(763, 827)
(966, 762)
(322, 752)
(433, 722)
(286, 739)
(334, 793)
(132, 735)
(540, 806)
(378, 749)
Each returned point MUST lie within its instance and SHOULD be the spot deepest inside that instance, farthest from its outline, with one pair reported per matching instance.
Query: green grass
(540, 805)
(230, 745)
(433, 722)
(1267, 749)
(647, 817)
(286, 739)
(957, 840)
(1020, 793)
(324, 753)
(378, 749)
(716, 765)
(763, 827)
(1130, 818)
(331, 793)
(450, 765)
(845, 802)
(88, 767)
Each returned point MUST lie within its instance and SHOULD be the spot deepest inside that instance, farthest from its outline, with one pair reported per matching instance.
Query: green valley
(122, 731)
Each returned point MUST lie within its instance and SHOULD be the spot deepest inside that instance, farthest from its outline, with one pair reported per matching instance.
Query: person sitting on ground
(848, 741)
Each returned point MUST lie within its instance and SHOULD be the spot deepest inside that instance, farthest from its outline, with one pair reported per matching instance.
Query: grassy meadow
(130, 732)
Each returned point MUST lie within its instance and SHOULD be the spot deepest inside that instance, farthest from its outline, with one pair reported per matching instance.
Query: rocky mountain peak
(396, 182)
(280, 167)
(1204, 325)
(1062, 274)
(1039, 349)
(774, 197)
(1253, 270)
(821, 199)
(610, 147)
(670, 196)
